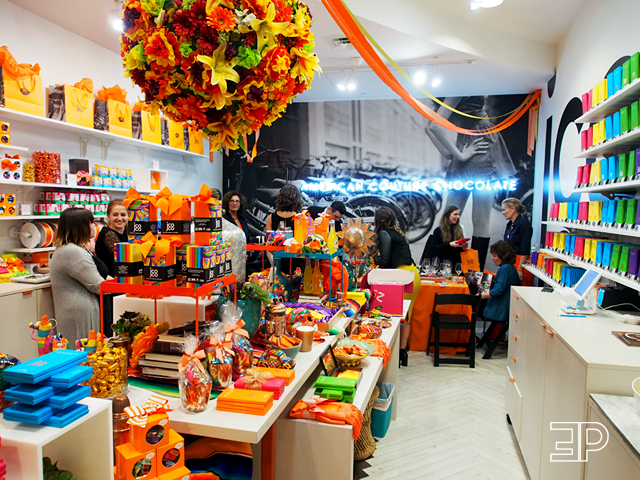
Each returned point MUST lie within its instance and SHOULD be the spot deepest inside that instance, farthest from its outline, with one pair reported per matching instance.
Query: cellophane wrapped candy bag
(194, 382)
(243, 351)
(220, 358)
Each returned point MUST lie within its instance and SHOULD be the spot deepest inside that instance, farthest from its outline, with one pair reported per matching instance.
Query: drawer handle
(549, 331)
(517, 297)
(543, 325)
(516, 315)
(27, 292)
(512, 380)
(515, 337)
(513, 358)
(46, 288)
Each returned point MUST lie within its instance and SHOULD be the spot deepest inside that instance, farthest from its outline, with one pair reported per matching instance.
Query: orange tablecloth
(421, 318)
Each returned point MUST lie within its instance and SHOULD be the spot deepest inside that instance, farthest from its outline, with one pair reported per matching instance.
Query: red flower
(276, 63)
(191, 108)
(199, 11)
(162, 48)
(184, 23)
(208, 40)
(283, 11)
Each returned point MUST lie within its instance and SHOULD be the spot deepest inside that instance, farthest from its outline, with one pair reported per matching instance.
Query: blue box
(604, 169)
(65, 398)
(29, 394)
(610, 83)
(617, 79)
(606, 253)
(613, 208)
(613, 168)
(616, 124)
(44, 367)
(608, 127)
(20, 412)
(572, 247)
(69, 378)
(62, 418)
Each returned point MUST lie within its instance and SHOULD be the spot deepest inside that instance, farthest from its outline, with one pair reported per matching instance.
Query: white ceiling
(514, 44)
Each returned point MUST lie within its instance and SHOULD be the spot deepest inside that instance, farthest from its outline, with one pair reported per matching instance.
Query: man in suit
(336, 210)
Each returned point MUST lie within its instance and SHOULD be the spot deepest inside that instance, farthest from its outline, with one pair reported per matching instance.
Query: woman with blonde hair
(393, 252)
(518, 231)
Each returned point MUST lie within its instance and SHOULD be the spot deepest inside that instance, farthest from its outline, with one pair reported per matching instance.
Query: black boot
(481, 244)
(404, 357)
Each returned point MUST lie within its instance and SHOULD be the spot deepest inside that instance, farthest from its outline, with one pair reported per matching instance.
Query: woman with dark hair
(74, 276)
(234, 205)
(518, 231)
(498, 297)
(288, 203)
(393, 252)
(443, 242)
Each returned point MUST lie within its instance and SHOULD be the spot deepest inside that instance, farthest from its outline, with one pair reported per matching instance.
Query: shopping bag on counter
(20, 85)
(176, 135)
(72, 104)
(470, 260)
(195, 141)
(146, 126)
(112, 113)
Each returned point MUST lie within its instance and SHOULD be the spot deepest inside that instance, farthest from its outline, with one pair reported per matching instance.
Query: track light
(435, 81)
(115, 18)
(351, 85)
(420, 77)
(346, 83)
(477, 4)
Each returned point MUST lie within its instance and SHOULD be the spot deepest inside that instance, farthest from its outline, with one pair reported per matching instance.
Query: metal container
(276, 319)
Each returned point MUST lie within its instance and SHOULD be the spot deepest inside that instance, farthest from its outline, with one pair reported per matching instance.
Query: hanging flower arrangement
(226, 67)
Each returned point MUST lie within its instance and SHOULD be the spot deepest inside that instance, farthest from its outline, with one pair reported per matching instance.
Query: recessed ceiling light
(420, 77)
(435, 82)
(476, 4)
(117, 24)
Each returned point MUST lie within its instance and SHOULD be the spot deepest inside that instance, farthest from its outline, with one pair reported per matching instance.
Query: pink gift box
(388, 296)
(275, 385)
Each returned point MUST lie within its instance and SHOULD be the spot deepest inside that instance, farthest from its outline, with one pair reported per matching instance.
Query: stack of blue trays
(46, 389)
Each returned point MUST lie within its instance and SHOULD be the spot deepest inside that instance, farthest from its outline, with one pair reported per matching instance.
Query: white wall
(605, 31)
(66, 58)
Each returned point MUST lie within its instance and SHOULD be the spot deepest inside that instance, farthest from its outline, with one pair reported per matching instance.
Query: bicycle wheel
(365, 207)
(420, 213)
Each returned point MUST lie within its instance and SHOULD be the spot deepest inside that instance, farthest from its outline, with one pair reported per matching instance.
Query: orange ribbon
(162, 246)
(11, 262)
(133, 195)
(139, 415)
(114, 93)
(254, 379)
(313, 401)
(204, 196)
(8, 165)
(168, 202)
(237, 328)
(219, 346)
(196, 357)
(82, 175)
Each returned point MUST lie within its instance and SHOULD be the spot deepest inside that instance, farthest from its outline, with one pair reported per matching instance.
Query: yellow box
(131, 464)
(182, 473)
(154, 434)
(171, 456)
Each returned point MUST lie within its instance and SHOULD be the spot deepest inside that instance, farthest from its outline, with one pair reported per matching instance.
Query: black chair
(441, 321)
(486, 338)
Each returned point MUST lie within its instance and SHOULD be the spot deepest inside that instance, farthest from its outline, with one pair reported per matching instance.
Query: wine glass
(458, 270)
(436, 265)
(426, 266)
(446, 268)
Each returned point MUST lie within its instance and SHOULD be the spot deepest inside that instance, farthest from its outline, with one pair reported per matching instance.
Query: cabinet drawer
(516, 301)
(515, 358)
(513, 399)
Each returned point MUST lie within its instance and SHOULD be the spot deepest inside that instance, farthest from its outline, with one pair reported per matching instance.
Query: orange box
(286, 375)
(182, 473)
(171, 456)
(132, 464)
(154, 434)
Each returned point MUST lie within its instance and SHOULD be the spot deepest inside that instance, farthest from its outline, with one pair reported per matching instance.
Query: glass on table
(425, 267)
(458, 272)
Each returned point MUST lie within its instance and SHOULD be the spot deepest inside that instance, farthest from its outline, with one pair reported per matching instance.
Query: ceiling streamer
(349, 25)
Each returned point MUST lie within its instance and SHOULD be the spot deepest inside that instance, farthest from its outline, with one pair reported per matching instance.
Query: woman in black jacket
(234, 205)
(444, 241)
(393, 252)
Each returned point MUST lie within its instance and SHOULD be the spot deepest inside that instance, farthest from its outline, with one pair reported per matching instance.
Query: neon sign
(384, 185)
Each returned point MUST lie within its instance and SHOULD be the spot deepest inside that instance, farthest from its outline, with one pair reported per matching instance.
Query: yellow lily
(214, 3)
(220, 100)
(266, 29)
(221, 70)
(225, 133)
(305, 65)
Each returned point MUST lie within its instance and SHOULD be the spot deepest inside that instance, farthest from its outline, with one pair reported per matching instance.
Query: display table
(421, 318)
(175, 310)
(84, 447)
(314, 450)
(620, 458)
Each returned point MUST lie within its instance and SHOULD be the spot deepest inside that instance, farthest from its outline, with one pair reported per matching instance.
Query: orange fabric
(114, 93)
(328, 411)
(9, 64)
(343, 18)
(338, 274)
(85, 84)
(421, 319)
(381, 350)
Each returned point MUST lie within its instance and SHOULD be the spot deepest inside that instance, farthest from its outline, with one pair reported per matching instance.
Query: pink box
(275, 385)
(388, 296)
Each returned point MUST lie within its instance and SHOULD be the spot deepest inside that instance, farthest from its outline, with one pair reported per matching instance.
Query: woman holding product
(75, 280)
(448, 239)
(393, 252)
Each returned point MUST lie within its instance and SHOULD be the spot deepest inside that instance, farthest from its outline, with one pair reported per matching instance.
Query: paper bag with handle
(20, 85)
(470, 260)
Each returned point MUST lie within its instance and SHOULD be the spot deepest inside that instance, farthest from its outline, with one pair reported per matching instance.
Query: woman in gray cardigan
(75, 280)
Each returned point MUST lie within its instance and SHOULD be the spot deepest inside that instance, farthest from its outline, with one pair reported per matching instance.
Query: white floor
(451, 425)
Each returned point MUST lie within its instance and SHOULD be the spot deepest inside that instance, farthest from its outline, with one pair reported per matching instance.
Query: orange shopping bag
(176, 135)
(22, 85)
(470, 260)
(195, 141)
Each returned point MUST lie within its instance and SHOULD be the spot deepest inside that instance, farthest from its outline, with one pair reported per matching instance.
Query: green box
(622, 165)
(624, 119)
(621, 211)
(634, 66)
(623, 264)
(615, 256)
(632, 209)
(633, 115)
(626, 73)
(631, 164)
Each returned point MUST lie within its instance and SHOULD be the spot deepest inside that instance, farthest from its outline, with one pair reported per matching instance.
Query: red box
(275, 385)
(590, 137)
(388, 296)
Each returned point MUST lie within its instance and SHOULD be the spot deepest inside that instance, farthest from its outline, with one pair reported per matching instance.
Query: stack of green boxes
(334, 388)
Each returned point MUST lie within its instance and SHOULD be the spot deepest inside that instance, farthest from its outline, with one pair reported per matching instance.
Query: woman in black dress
(443, 243)
(234, 205)
(517, 232)
(288, 204)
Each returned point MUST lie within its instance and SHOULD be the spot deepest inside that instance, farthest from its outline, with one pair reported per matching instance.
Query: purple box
(634, 257)
(637, 163)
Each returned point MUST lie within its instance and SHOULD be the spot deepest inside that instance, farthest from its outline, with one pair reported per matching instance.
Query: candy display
(243, 351)
(28, 172)
(8, 205)
(220, 358)
(54, 202)
(274, 358)
(11, 167)
(128, 263)
(207, 218)
(109, 370)
(194, 382)
(47, 167)
(159, 260)
(112, 177)
(143, 214)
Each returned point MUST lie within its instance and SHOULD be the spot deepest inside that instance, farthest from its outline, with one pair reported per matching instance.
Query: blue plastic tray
(62, 418)
(29, 394)
(20, 412)
(68, 397)
(44, 367)
(69, 378)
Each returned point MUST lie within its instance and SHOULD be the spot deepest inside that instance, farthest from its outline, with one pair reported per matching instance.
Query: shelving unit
(535, 271)
(29, 250)
(614, 146)
(85, 134)
(39, 217)
(611, 105)
(596, 228)
(59, 185)
(14, 147)
(621, 279)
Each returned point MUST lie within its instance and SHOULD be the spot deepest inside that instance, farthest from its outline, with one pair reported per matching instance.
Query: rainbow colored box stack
(129, 264)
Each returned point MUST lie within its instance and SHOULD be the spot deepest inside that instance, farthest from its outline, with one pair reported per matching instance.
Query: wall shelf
(621, 279)
(535, 271)
(629, 185)
(59, 185)
(596, 228)
(39, 217)
(611, 105)
(621, 144)
(14, 147)
(29, 250)
(86, 134)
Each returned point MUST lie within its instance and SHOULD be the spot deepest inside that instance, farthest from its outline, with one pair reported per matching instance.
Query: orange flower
(191, 107)
(162, 48)
(276, 63)
(221, 19)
